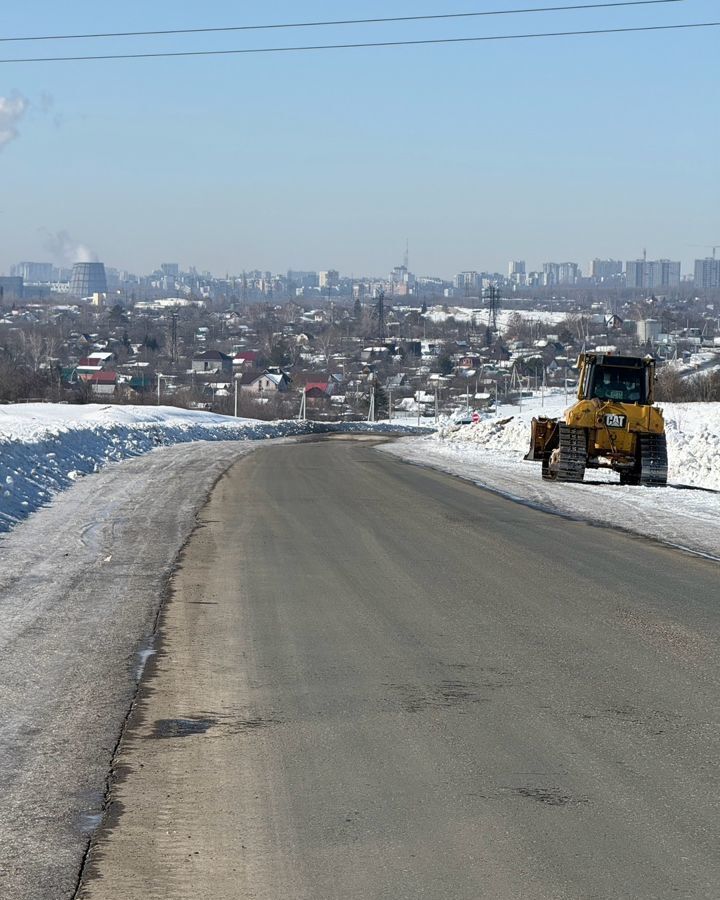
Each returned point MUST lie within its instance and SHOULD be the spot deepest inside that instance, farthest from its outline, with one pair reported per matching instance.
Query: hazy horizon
(561, 149)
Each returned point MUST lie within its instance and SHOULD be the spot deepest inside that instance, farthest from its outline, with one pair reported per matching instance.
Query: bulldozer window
(623, 385)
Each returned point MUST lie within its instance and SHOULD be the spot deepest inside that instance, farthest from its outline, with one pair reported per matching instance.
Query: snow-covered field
(45, 447)
(491, 454)
(479, 315)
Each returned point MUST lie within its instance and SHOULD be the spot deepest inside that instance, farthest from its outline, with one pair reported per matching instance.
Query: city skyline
(515, 269)
(91, 280)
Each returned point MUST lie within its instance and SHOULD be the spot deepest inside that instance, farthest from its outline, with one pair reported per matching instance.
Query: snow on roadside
(693, 433)
(45, 447)
(491, 454)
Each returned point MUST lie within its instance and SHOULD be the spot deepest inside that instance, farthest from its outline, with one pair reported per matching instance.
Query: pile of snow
(693, 433)
(45, 447)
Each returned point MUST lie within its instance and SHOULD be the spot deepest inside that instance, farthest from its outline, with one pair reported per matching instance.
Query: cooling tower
(88, 279)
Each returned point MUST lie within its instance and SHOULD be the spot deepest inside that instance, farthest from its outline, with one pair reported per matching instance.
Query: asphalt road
(377, 681)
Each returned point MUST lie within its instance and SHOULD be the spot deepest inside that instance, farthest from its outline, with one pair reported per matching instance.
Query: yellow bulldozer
(614, 425)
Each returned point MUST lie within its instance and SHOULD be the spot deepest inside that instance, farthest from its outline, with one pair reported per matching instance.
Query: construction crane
(713, 247)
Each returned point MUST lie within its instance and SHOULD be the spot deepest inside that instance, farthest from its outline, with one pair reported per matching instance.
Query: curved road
(377, 681)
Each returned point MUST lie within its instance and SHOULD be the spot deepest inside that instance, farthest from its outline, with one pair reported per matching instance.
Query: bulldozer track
(572, 454)
(653, 459)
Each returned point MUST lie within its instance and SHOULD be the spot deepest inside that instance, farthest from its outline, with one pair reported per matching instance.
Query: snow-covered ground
(45, 447)
(81, 582)
(479, 315)
(491, 454)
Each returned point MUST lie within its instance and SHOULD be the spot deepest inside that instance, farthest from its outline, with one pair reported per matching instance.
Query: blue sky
(558, 149)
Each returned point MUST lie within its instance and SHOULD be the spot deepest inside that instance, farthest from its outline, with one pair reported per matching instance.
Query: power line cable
(319, 24)
(415, 43)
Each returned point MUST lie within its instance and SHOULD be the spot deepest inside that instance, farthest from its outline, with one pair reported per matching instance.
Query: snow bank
(45, 447)
(693, 433)
(490, 454)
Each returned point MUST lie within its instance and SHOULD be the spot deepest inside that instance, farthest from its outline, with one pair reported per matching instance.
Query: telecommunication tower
(493, 297)
(380, 314)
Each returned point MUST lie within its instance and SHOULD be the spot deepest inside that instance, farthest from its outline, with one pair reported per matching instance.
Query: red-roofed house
(318, 389)
(101, 383)
(246, 359)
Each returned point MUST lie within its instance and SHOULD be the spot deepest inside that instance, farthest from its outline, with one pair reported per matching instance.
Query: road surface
(377, 681)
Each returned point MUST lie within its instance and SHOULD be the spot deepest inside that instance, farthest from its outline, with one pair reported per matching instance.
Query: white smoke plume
(12, 109)
(66, 250)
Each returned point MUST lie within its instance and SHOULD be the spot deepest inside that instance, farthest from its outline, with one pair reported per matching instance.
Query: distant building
(517, 274)
(707, 273)
(648, 330)
(264, 383)
(402, 281)
(246, 359)
(303, 279)
(11, 288)
(560, 273)
(212, 361)
(652, 274)
(329, 279)
(103, 384)
(468, 280)
(605, 269)
(170, 270)
(33, 272)
(88, 279)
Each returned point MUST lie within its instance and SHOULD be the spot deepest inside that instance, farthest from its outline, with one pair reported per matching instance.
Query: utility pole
(390, 409)
(174, 337)
(302, 416)
(371, 411)
(236, 378)
(437, 403)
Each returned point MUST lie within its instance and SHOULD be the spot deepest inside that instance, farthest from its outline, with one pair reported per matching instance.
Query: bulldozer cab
(622, 379)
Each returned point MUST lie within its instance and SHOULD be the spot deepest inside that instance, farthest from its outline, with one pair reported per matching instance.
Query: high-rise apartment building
(652, 274)
(560, 273)
(469, 280)
(329, 279)
(707, 273)
(33, 272)
(605, 269)
(516, 272)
